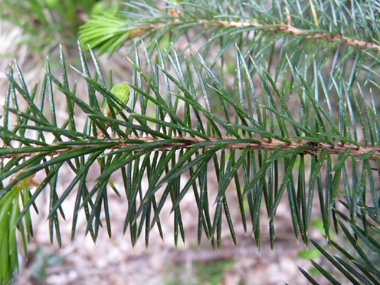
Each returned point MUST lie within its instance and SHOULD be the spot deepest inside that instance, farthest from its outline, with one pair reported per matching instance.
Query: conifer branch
(272, 28)
(309, 34)
(182, 17)
(247, 114)
(186, 142)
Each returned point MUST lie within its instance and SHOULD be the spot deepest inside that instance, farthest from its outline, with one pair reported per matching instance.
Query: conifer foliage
(274, 98)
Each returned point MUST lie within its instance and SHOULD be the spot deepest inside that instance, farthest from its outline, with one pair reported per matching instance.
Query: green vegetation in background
(48, 23)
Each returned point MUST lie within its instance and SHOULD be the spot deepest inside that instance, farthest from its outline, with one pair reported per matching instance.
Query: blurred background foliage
(48, 23)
